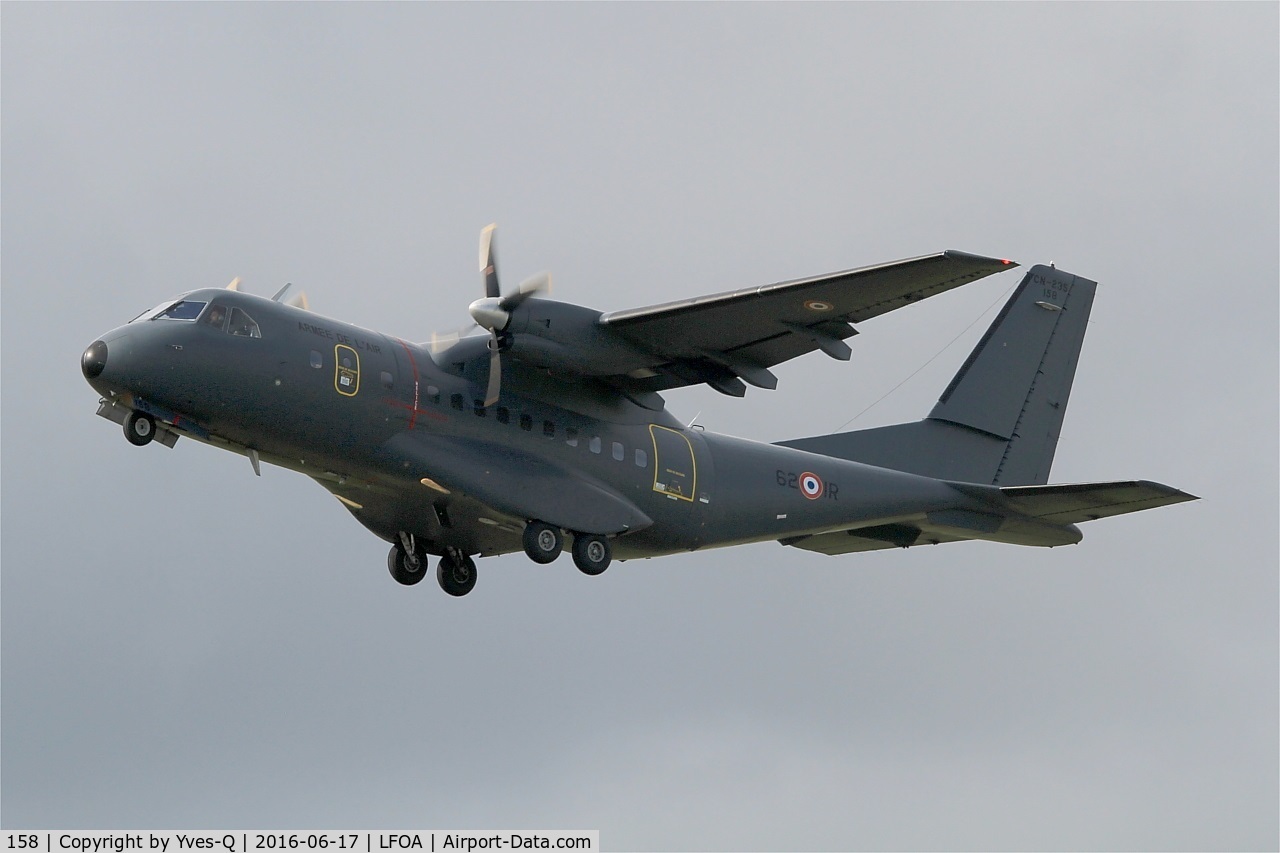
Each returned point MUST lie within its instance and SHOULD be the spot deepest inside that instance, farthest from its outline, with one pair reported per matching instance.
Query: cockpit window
(243, 325)
(183, 310)
(151, 312)
(216, 316)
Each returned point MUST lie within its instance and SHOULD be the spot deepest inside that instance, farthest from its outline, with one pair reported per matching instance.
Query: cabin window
(618, 452)
(456, 401)
(594, 444)
(642, 459)
(387, 381)
(571, 437)
(503, 414)
(183, 310)
(242, 325)
(478, 407)
(317, 360)
(549, 429)
(526, 422)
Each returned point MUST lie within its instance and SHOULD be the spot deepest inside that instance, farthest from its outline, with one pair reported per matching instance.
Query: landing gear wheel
(456, 576)
(542, 542)
(591, 553)
(407, 567)
(139, 428)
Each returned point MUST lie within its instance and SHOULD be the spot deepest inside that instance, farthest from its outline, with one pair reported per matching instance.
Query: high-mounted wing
(729, 338)
(726, 340)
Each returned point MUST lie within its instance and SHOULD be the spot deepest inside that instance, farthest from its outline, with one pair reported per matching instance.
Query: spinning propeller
(493, 312)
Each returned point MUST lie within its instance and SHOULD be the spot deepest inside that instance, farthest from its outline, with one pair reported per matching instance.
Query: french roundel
(811, 485)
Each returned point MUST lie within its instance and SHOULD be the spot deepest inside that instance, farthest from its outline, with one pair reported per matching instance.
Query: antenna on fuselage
(297, 300)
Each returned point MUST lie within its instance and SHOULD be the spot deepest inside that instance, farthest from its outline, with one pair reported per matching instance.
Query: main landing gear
(591, 554)
(543, 543)
(407, 562)
(456, 573)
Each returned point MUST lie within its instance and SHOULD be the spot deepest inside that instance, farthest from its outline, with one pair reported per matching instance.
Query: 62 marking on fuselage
(808, 484)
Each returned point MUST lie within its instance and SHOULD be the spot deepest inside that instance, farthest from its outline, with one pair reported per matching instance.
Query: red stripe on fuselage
(435, 416)
(413, 418)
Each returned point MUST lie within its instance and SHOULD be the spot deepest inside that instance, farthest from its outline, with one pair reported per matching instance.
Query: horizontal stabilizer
(1043, 516)
(935, 528)
(1071, 504)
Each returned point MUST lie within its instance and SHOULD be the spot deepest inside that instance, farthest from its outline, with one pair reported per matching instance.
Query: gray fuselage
(341, 404)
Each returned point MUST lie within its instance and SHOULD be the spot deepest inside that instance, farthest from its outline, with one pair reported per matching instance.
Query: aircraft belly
(458, 522)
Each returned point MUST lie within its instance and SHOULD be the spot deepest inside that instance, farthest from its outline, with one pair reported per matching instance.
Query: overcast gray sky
(1117, 694)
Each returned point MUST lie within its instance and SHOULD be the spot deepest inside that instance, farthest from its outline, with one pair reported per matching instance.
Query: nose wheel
(139, 428)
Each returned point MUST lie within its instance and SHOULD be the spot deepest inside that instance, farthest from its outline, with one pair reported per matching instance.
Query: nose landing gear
(139, 428)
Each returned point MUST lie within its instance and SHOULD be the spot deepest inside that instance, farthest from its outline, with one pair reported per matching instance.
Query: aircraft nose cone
(94, 360)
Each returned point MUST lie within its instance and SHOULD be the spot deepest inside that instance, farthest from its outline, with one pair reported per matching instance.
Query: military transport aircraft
(552, 428)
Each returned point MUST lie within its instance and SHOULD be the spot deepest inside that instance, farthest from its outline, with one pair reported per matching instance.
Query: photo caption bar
(259, 841)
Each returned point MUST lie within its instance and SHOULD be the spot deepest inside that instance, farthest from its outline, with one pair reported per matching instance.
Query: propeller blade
(441, 341)
(492, 393)
(235, 284)
(489, 260)
(532, 286)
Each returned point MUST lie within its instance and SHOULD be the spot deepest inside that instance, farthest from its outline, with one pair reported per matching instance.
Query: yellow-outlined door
(346, 370)
(675, 473)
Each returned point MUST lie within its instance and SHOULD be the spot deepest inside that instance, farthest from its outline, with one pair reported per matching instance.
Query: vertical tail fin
(999, 420)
